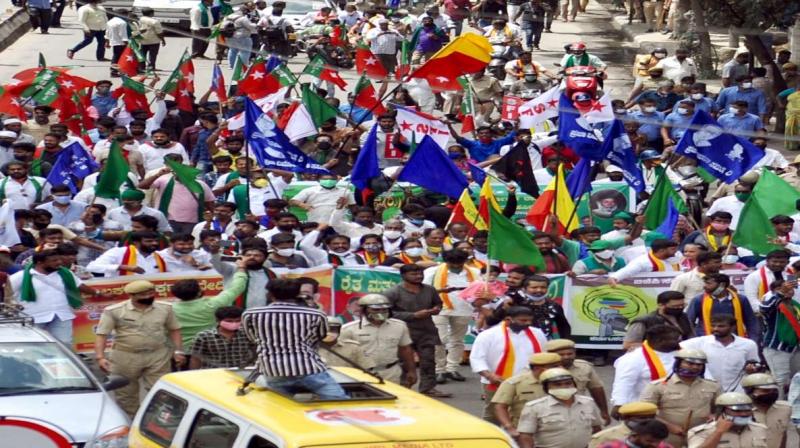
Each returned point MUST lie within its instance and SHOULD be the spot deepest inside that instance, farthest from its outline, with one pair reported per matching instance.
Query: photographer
(548, 316)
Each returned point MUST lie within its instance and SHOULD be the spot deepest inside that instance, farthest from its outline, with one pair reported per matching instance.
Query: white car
(48, 397)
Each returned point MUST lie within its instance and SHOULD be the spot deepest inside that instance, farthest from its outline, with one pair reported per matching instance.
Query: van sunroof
(356, 390)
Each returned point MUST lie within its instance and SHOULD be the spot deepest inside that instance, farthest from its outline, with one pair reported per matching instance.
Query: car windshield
(302, 7)
(31, 368)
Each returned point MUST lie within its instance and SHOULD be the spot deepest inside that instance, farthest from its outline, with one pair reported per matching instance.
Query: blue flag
(270, 146)
(619, 151)
(366, 166)
(478, 174)
(431, 168)
(73, 164)
(577, 133)
(725, 156)
(272, 62)
(579, 180)
(667, 227)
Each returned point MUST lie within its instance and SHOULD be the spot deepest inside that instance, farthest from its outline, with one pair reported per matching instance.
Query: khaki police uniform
(553, 424)
(585, 376)
(517, 391)
(610, 434)
(350, 350)
(627, 411)
(379, 344)
(141, 349)
(753, 436)
(777, 419)
(676, 399)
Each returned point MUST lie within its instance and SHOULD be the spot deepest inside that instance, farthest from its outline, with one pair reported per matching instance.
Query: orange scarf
(708, 301)
(658, 264)
(370, 260)
(440, 282)
(407, 260)
(475, 263)
(712, 240)
(130, 256)
(505, 368)
(654, 363)
(763, 285)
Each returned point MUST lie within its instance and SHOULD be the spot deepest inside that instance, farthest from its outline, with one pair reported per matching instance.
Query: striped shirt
(286, 336)
(769, 309)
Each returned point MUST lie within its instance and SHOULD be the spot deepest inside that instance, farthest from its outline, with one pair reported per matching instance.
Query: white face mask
(733, 110)
(174, 113)
(649, 109)
(414, 251)
(604, 254)
(730, 259)
(63, 200)
(392, 234)
(747, 85)
(659, 55)
(697, 96)
(536, 297)
(285, 252)
(620, 111)
(131, 147)
(683, 111)
(563, 394)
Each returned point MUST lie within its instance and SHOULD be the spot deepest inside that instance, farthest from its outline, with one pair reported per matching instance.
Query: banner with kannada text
(356, 281)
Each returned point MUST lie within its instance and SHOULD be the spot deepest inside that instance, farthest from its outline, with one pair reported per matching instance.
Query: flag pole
(592, 175)
(559, 170)
(247, 164)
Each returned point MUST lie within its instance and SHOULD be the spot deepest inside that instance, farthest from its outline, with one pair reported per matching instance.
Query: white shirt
(631, 375)
(412, 228)
(460, 306)
(727, 204)
(22, 196)
(92, 17)
(317, 256)
(675, 69)
(273, 190)
(641, 264)
(108, 263)
(772, 158)
(323, 201)
(154, 157)
(123, 216)
(226, 232)
(351, 229)
(383, 42)
(752, 283)
(689, 283)
(117, 32)
(175, 263)
(51, 298)
(195, 14)
(542, 176)
(489, 346)
(349, 19)
(267, 235)
(725, 362)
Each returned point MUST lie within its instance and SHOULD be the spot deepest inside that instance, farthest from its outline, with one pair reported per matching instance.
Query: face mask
(604, 254)
(380, 317)
(131, 147)
(659, 55)
(146, 302)
(414, 251)
(63, 200)
(563, 394)
(733, 110)
(97, 219)
(697, 96)
(688, 373)
(530, 79)
(720, 226)
(536, 298)
(372, 247)
(718, 290)
(324, 145)
(260, 183)
(516, 328)
(343, 253)
(230, 326)
(416, 222)
(742, 197)
(768, 399)
(455, 155)
(392, 234)
(683, 111)
(741, 421)
(649, 109)
(286, 229)
(674, 312)
(747, 85)
(285, 252)
(730, 259)
(327, 183)
(620, 111)
(174, 113)
(364, 222)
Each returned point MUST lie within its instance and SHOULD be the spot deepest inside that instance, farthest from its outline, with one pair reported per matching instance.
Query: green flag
(186, 175)
(239, 70)
(114, 174)
(319, 109)
(771, 196)
(171, 84)
(42, 62)
(657, 206)
(315, 66)
(511, 243)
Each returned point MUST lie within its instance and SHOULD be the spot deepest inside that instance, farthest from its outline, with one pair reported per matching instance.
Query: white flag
(8, 229)
(601, 111)
(539, 109)
(417, 125)
(266, 104)
(300, 124)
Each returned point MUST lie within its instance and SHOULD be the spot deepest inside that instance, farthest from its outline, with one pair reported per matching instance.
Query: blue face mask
(416, 222)
(455, 155)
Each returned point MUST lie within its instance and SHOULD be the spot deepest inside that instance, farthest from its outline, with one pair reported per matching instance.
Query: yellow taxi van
(219, 408)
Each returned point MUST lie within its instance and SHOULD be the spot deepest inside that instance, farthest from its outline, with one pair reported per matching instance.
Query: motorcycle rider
(578, 56)
(529, 87)
(517, 68)
(501, 33)
(274, 30)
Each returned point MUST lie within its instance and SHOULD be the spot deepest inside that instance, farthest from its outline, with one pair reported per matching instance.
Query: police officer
(684, 398)
(561, 419)
(385, 342)
(142, 351)
(585, 376)
(515, 392)
(631, 414)
(733, 427)
(347, 348)
(767, 409)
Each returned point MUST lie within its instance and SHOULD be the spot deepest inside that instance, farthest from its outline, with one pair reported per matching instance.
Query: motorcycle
(582, 79)
(333, 55)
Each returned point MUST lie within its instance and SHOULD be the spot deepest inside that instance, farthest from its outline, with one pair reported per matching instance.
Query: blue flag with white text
(619, 151)
(270, 146)
(725, 156)
(431, 168)
(366, 166)
(577, 133)
(73, 164)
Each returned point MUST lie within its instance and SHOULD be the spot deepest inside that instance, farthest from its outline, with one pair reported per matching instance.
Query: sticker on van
(359, 416)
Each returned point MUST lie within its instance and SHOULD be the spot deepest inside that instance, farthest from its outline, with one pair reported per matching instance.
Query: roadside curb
(13, 27)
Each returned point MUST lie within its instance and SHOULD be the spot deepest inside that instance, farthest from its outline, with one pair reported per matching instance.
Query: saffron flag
(465, 213)
(467, 53)
(554, 200)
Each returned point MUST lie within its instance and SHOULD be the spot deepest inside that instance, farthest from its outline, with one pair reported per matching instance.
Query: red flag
(283, 119)
(367, 63)
(254, 83)
(333, 76)
(10, 105)
(511, 106)
(443, 83)
(127, 62)
(367, 97)
(218, 83)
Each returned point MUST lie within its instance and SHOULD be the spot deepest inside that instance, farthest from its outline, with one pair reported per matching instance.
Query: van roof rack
(355, 389)
(11, 313)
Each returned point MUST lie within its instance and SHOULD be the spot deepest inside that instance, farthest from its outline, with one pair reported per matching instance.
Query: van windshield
(39, 368)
